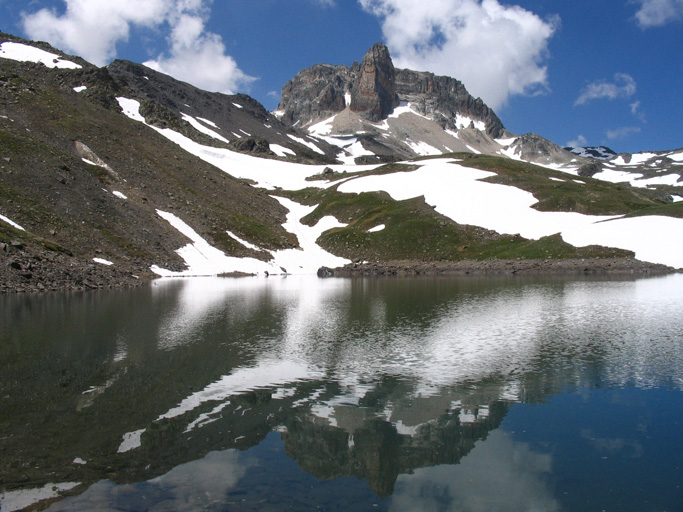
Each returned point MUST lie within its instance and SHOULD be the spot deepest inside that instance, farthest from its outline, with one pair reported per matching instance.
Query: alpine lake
(470, 394)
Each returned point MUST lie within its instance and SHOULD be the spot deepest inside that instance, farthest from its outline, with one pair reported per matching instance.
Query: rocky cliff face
(375, 88)
(445, 99)
(316, 93)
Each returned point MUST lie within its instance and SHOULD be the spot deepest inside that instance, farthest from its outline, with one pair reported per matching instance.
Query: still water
(443, 394)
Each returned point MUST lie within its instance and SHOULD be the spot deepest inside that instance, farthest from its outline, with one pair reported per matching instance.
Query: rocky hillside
(109, 176)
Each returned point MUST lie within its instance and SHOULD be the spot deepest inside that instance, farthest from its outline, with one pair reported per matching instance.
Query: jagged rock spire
(374, 90)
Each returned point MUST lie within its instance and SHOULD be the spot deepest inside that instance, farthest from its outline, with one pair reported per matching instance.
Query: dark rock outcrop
(534, 148)
(376, 88)
(315, 93)
(374, 91)
(442, 98)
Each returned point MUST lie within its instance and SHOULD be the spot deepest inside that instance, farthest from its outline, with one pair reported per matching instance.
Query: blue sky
(590, 72)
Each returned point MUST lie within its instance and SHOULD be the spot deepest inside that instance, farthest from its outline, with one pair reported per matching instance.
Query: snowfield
(25, 53)
(452, 189)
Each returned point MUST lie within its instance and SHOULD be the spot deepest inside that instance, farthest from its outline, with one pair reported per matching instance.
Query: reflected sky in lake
(362, 394)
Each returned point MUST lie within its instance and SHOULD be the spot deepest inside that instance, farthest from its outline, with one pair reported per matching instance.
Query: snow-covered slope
(457, 192)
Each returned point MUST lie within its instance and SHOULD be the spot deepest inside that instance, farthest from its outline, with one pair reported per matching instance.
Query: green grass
(413, 230)
(574, 194)
(667, 210)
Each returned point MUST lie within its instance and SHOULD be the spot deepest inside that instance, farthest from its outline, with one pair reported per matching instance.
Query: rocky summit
(375, 88)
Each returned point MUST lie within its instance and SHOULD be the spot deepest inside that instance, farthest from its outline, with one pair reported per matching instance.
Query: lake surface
(428, 394)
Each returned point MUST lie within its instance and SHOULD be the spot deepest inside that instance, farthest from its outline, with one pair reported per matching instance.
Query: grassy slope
(415, 231)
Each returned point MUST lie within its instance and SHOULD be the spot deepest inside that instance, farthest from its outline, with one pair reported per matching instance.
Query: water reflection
(141, 396)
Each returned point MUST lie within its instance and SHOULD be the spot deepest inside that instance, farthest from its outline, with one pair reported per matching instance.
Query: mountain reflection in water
(215, 394)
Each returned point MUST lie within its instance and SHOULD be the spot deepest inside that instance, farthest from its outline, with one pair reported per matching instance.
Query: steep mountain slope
(84, 182)
(113, 174)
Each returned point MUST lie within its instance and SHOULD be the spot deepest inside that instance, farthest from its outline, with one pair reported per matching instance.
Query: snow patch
(24, 53)
(131, 108)
(244, 242)
(238, 105)
(120, 195)
(11, 501)
(203, 259)
(102, 261)
(506, 142)
(376, 228)
(80, 88)
(210, 123)
(131, 441)
(306, 143)
(203, 129)
(405, 108)
(423, 149)
(322, 128)
(280, 151)
(462, 122)
(652, 238)
(11, 223)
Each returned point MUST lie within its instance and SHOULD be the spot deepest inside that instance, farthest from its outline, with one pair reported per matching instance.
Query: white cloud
(621, 133)
(578, 143)
(92, 28)
(624, 86)
(495, 50)
(637, 112)
(655, 13)
(199, 58)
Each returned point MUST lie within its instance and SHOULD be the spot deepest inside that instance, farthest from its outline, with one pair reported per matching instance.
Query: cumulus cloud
(92, 28)
(199, 58)
(623, 132)
(623, 86)
(655, 13)
(495, 50)
(578, 143)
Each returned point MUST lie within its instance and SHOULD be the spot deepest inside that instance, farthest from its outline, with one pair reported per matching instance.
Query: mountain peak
(374, 90)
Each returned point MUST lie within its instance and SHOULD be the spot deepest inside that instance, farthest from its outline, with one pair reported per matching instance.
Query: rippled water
(423, 394)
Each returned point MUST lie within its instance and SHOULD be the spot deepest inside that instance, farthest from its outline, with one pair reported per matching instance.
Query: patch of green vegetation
(667, 210)
(572, 194)
(250, 229)
(9, 234)
(13, 144)
(383, 169)
(413, 230)
(552, 247)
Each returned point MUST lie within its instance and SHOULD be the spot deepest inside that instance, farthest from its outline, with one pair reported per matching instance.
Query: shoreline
(582, 266)
(53, 277)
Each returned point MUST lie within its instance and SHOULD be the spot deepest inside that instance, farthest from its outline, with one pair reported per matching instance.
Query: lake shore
(583, 266)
